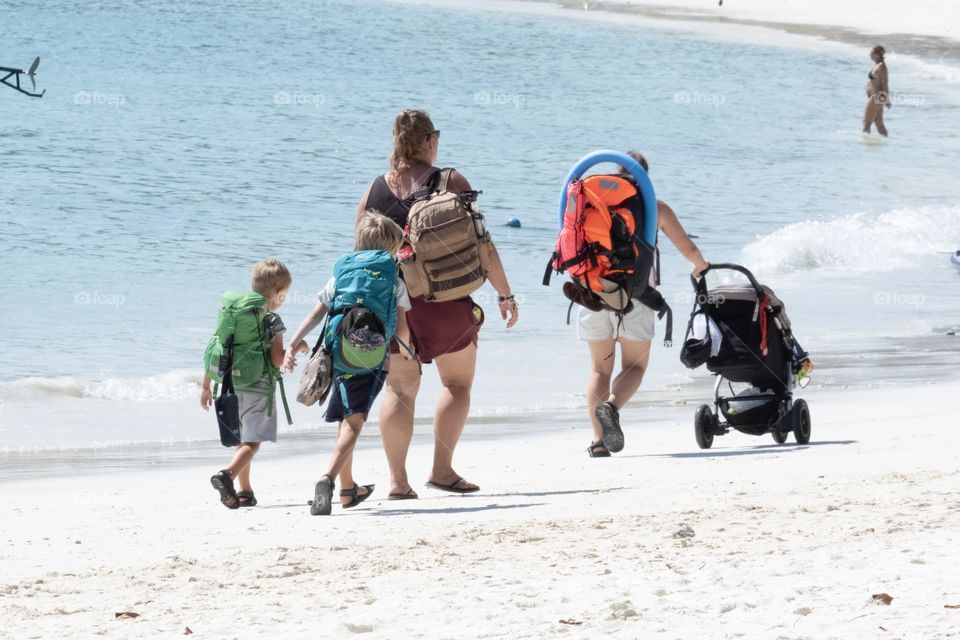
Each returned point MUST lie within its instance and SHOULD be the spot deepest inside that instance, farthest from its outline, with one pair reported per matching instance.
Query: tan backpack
(451, 246)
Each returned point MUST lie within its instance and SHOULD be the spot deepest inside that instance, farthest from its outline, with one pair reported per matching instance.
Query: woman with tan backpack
(450, 256)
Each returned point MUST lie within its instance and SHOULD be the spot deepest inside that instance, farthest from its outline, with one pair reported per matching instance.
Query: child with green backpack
(365, 304)
(244, 355)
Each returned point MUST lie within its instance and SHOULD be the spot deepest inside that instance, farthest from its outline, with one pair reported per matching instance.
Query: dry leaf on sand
(883, 598)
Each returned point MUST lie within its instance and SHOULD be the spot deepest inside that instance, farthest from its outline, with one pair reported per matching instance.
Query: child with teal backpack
(244, 355)
(365, 304)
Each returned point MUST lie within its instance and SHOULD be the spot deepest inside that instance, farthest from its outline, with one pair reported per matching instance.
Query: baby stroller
(743, 335)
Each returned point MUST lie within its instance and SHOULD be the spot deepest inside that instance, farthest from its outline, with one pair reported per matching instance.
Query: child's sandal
(598, 450)
(322, 497)
(223, 483)
(246, 498)
(356, 495)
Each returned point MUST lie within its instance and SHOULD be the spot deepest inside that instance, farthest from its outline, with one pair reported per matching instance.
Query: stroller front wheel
(704, 424)
(801, 422)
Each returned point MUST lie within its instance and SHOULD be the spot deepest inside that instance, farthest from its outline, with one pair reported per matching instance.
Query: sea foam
(859, 242)
(175, 385)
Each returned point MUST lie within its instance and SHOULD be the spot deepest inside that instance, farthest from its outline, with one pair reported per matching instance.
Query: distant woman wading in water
(878, 92)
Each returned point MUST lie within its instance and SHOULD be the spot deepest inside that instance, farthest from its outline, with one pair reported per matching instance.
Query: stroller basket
(750, 407)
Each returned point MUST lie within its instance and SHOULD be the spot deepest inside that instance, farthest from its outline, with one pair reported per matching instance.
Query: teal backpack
(363, 314)
(238, 354)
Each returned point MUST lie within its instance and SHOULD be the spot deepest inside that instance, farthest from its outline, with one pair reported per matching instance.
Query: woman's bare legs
(873, 114)
(881, 129)
(634, 357)
(602, 359)
(456, 374)
(396, 418)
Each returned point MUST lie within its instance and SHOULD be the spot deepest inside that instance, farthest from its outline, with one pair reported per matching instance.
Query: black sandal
(355, 494)
(247, 499)
(223, 483)
(322, 497)
(609, 418)
(598, 450)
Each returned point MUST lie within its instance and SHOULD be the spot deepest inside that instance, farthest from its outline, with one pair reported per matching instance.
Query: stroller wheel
(780, 436)
(703, 426)
(801, 422)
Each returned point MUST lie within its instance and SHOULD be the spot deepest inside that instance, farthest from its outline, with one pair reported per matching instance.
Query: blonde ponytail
(411, 128)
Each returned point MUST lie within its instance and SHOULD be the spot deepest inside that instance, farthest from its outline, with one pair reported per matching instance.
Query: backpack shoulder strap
(283, 399)
(443, 179)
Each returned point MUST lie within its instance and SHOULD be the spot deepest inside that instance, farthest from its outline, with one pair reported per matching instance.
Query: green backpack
(238, 354)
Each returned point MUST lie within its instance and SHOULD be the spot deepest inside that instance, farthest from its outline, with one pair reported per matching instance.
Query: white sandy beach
(788, 541)
(925, 31)
(747, 540)
(931, 18)
(921, 17)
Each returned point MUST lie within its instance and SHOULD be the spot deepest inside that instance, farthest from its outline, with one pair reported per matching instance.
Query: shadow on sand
(519, 494)
(752, 451)
(448, 510)
(540, 494)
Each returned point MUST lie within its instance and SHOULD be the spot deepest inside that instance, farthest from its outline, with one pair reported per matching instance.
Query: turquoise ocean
(180, 142)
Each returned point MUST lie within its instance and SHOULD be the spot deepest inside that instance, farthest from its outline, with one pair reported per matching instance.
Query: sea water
(180, 142)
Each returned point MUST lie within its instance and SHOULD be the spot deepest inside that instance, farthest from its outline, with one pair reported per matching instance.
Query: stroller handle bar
(701, 282)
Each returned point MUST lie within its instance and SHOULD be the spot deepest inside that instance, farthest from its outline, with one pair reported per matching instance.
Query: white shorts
(638, 325)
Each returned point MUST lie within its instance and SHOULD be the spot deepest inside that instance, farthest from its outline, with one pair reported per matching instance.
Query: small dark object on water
(514, 222)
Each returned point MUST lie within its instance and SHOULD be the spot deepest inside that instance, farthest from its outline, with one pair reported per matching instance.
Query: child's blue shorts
(353, 394)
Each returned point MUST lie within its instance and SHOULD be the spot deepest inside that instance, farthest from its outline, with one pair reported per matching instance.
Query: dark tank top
(383, 200)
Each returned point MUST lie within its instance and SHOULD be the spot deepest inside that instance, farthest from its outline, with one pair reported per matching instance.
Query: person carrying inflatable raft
(607, 244)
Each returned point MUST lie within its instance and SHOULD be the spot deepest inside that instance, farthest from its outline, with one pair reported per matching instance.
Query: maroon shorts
(439, 328)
